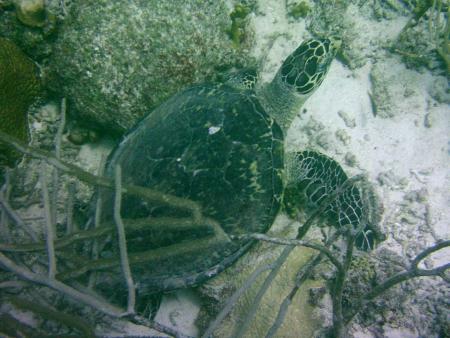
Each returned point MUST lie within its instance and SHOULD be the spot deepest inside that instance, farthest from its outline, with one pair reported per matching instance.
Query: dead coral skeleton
(435, 15)
(74, 291)
(341, 259)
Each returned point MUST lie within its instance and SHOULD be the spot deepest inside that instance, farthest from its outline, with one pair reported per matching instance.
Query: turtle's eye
(305, 68)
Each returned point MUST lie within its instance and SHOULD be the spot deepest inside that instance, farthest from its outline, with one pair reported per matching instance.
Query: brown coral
(19, 86)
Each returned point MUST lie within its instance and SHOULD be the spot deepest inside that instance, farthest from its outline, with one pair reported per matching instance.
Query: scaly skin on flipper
(313, 177)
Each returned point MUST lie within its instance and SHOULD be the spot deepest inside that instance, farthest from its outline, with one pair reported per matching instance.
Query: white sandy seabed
(406, 156)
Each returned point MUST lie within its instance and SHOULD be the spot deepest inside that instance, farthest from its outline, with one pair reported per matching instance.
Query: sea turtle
(222, 146)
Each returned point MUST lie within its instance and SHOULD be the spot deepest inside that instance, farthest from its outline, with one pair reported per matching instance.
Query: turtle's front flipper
(313, 177)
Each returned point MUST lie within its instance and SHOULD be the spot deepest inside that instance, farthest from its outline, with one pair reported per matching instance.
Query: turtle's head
(304, 70)
(300, 74)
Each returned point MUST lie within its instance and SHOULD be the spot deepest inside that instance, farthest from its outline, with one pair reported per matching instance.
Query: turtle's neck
(281, 102)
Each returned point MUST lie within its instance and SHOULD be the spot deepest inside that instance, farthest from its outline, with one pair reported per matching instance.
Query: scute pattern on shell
(212, 144)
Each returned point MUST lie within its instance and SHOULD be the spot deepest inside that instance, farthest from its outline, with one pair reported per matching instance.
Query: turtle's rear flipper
(314, 179)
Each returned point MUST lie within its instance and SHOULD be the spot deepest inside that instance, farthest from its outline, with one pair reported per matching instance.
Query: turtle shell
(212, 144)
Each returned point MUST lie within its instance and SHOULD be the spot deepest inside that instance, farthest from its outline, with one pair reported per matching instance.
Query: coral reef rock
(19, 86)
(116, 60)
(31, 12)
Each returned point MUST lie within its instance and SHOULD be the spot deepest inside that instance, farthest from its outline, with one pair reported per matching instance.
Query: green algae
(19, 86)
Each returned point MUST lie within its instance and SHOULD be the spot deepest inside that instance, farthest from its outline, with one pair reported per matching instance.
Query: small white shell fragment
(213, 130)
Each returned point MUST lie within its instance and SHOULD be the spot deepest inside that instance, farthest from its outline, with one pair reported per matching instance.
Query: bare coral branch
(70, 225)
(263, 289)
(73, 170)
(303, 274)
(234, 298)
(97, 220)
(8, 210)
(295, 242)
(71, 321)
(55, 174)
(337, 291)
(54, 284)
(107, 228)
(302, 231)
(428, 251)
(49, 228)
(398, 278)
(125, 264)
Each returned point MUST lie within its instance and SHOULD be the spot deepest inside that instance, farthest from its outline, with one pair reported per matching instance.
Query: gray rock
(440, 90)
(116, 60)
(383, 103)
(348, 119)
